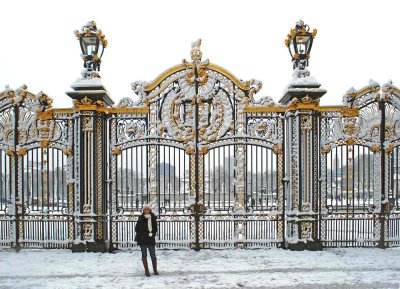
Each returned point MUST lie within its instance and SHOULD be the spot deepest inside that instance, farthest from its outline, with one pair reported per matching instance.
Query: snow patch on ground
(236, 268)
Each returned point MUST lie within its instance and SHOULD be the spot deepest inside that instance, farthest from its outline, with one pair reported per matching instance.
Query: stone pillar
(302, 206)
(90, 102)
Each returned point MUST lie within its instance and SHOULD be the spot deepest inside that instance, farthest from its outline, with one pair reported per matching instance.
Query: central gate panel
(197, 146)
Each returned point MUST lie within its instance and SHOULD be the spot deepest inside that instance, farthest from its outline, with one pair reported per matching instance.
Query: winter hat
(146, 206)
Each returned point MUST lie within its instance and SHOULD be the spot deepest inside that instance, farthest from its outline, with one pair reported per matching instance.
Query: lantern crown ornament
(92, 42)
(89, 89)
(303, 87)
(299, 41)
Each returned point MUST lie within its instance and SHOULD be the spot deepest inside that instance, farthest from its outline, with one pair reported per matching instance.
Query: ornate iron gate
(220, 169)
(199, 151)
(35, 193)
(359, 196)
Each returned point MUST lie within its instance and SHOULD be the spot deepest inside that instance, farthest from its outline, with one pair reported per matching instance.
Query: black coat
(142, 231)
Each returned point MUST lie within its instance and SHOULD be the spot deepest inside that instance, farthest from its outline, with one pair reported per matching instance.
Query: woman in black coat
(146, 230)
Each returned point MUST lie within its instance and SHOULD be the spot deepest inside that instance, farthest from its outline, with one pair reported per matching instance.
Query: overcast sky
(356, 41)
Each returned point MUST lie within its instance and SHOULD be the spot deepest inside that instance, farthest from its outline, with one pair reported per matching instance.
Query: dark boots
(154, 261)
(146, 267)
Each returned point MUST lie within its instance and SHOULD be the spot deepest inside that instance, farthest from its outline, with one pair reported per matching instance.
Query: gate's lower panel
(6, 238)
(45, 231)
(175, 232)
(123, 232)
(262, 231)
(394, 230)
(342, 230)
(227, 231)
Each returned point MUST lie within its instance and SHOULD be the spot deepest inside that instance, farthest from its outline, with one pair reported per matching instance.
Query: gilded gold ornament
(86, 101)
(44, 143)
(68, 151)
(117, 151)
(349, 112)
(375, 149)
(22, 151)
(326, 150)
(10, 152)
(204, 150)
(189, 150)
(277, 149)
(389, 148)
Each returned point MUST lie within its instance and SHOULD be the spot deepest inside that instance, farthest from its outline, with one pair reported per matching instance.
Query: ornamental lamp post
(302, 86)
(91, 99)
(92, 42)
(302, 96)
(89, 89)
(299, 41)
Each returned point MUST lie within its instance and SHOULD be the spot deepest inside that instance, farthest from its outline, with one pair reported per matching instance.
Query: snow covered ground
(236, 268)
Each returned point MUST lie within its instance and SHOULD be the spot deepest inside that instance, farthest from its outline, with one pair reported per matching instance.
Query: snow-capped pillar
(90, 102)
(302, 210)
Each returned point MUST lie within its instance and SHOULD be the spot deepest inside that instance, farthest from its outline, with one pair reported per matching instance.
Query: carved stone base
(194, 247)
(78, 248)
(17, 247)
(99, 246)
(90, 91)
(240, 245)
(299, 246)
(314, 245)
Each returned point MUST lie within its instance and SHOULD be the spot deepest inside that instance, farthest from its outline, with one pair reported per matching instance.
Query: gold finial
(196, 53)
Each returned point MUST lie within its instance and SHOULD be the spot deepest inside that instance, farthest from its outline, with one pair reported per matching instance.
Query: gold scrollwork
(200, 206)
(44, 115)
(202, 73)
(190, 73)
(349, 112)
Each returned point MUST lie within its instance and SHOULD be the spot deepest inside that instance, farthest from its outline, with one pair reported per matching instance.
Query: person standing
(146, 230)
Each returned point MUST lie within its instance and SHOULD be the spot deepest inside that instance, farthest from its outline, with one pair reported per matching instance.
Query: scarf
(149, 226)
